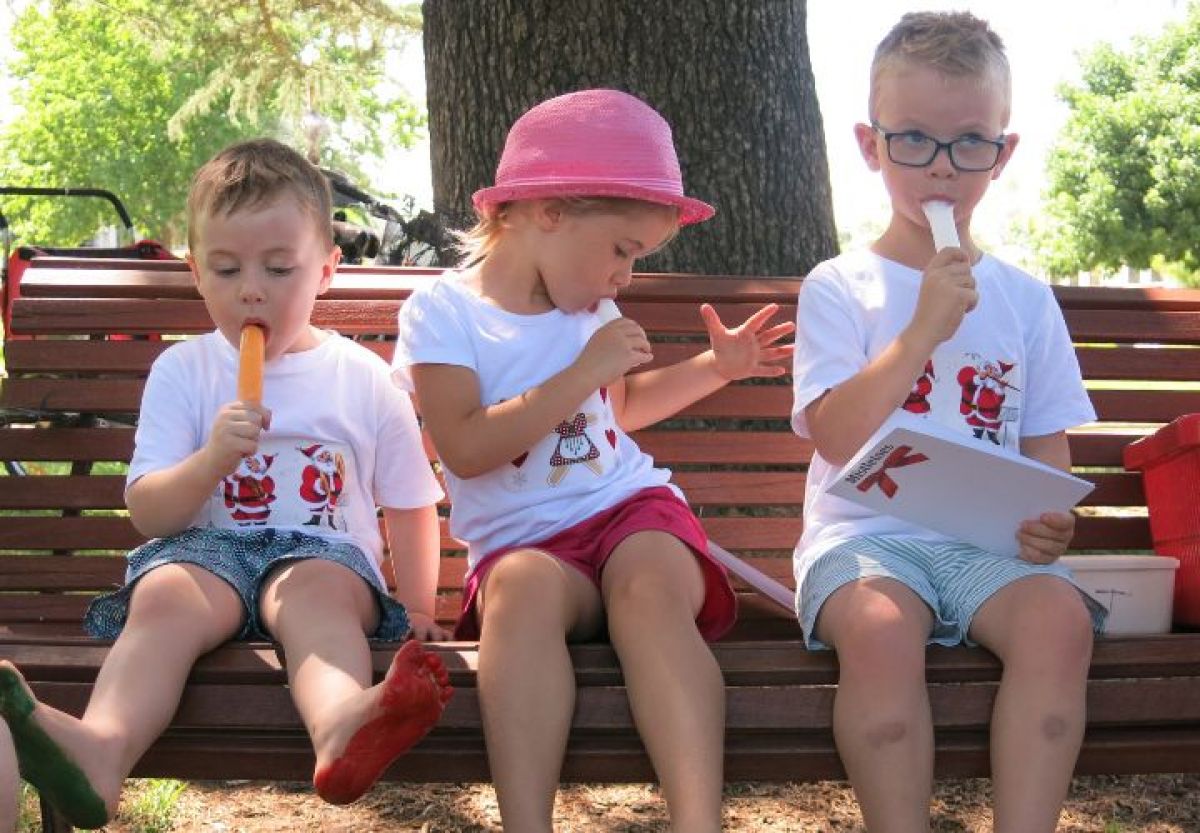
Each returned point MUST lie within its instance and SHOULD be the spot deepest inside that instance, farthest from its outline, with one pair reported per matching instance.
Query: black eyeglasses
(913, 149)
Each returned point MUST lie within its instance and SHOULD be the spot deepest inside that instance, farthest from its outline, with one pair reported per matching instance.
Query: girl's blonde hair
(252, 173)
(477, 243)
(955, 44)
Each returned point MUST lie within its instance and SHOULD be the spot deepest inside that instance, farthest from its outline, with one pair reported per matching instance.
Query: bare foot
(57, 754)
(386, 722)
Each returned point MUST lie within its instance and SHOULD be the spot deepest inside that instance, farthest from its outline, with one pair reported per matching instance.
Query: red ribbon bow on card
(899, 458)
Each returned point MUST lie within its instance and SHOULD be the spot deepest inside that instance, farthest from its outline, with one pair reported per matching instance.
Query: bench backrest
(94, 327)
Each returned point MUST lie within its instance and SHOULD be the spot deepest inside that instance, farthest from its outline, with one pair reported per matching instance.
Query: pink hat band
(594, 143)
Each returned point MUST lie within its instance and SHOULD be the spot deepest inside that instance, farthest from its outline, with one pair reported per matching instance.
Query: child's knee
(527, 590)
(1064, 641)
(881, 651)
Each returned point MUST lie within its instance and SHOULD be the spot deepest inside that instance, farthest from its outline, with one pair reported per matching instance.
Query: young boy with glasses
(974, 344)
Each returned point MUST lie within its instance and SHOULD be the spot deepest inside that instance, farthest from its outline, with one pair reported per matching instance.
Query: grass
(148, 806)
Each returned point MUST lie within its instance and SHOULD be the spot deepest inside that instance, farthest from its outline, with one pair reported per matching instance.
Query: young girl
(519, 366)
(265, 517)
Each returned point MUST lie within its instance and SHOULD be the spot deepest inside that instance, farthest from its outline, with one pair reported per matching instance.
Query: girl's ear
(547, 214)
(868, 144)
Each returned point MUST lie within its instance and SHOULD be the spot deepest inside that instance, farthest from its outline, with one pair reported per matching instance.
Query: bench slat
(704, 490)
(116, 443)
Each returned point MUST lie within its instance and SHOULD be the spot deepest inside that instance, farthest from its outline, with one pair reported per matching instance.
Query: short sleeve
(430, 330)
(403, 477)
(830, 341)
(1055, 399)
(167, 431)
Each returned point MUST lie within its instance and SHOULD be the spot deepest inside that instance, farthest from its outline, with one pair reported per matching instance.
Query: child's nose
(941, 164)
(251, 291)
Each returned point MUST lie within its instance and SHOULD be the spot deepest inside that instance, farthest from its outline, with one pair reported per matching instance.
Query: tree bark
(732, 77)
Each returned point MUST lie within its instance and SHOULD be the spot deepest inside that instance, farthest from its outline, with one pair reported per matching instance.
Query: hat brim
(691, 210)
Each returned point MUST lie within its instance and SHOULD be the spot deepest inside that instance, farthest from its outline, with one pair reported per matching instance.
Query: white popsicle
(607, 310)
(941, 222)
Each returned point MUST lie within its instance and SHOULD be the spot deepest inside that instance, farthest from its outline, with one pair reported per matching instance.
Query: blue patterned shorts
(243, 560)
(953, 579)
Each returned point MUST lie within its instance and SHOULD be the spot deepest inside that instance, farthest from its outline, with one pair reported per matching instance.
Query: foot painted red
(412, 696)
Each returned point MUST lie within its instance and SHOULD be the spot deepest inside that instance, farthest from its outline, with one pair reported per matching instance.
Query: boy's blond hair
(252, 173)
(477, 242)
(955, 44)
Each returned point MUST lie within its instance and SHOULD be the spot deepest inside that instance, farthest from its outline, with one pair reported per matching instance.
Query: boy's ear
(329, 269)
(190, 259)
(1010, 144)
(868, 144)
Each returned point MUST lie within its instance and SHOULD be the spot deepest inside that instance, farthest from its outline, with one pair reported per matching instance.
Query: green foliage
(1124, 174)
(149, 805)
(133, 95)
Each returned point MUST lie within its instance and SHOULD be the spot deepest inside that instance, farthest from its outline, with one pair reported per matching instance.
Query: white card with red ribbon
(917, 470)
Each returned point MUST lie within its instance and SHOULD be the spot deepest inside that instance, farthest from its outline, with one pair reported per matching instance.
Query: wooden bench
(71, 398)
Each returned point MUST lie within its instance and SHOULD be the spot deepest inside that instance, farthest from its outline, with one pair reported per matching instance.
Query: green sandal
(43, 763)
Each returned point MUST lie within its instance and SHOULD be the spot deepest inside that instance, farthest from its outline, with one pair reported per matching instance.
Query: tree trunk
(732, 77)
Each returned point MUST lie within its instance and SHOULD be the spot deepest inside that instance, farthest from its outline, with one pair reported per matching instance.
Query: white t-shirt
(343, 439)
(585, 465)
(1008, 372)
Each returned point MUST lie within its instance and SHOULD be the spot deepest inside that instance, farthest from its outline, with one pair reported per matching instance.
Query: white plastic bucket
(1136, 589)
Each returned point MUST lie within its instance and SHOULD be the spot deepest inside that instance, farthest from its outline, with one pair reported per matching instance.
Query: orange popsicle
(250, 363)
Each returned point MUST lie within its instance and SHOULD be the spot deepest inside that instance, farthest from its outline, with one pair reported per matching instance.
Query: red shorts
(587, 546)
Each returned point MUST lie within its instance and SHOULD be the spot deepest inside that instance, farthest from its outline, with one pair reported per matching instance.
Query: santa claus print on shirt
(984, 389)
(321, 483)
(250, 491)
(918, 398)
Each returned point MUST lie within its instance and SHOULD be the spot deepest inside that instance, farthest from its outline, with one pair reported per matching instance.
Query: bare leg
(10, 782)
(1042, 632)
(321, 612)
(531, 604)
(879, 629)
(177, 613)
(653, 589)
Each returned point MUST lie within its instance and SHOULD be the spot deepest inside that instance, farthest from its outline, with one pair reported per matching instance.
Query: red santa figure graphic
(984, 390)
(918, 398)
(250, 491)
(574, 446)
(321, 483)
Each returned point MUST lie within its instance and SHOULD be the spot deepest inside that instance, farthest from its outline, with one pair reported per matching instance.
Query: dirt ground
(1153, 804)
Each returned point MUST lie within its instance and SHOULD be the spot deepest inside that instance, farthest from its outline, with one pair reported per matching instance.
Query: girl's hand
(425, 629)
(234, 435)
(614, 350)
(747, 350)
(1044, 539)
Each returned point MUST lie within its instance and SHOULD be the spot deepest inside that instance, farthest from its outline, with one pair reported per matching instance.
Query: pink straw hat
(593, 143)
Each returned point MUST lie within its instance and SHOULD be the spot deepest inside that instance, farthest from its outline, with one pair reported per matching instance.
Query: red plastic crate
(1169, 460)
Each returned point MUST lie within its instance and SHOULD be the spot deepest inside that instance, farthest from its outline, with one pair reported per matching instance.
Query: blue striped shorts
(952, 578)
(243, 560)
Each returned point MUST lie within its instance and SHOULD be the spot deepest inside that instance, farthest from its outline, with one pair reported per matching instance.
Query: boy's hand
(425, 629)
(1044, 539)
(614, 350)
(746, 350)
(234, 435)
(947, 294)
